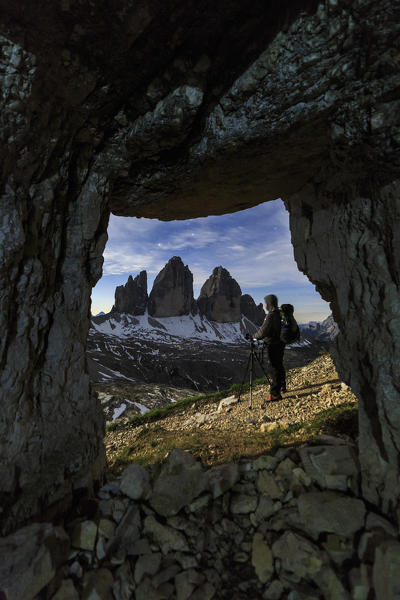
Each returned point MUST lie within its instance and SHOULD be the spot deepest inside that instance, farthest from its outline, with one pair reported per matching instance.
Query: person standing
(270, 333)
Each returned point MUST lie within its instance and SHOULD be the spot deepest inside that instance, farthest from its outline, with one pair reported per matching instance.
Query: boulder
(135, 482)
(84, 535)
(252, 311)
(386, 571)
(132, 298)
(180, 481)
(332, 467)
(172, 292)
(331, 513)
(219, 298)
(30, 558)
(167, 538)
(261, 558)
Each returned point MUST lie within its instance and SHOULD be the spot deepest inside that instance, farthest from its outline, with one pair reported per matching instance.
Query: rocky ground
(283, 525)
(221, 428)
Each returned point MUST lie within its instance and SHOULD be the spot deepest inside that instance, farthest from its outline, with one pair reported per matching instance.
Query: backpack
(290, 331)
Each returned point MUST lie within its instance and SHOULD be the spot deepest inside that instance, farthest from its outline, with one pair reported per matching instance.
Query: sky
(253, 244)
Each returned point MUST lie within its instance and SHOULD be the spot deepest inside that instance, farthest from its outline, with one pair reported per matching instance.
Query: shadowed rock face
(251, 310)
(132, 297)
(172, 292)
(174, 111)
(219, 298)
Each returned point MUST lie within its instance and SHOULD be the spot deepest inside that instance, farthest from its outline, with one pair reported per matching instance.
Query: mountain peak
(219, 298)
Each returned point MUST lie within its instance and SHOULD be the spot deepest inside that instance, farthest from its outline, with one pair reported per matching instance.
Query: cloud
(253, 245)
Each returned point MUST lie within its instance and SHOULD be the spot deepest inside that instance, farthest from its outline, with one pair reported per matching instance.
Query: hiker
(270, 333)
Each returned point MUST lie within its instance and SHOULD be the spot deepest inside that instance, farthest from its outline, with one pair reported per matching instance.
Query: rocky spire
(132, 297)
(219, 298)
(254, 312)
(172, 293)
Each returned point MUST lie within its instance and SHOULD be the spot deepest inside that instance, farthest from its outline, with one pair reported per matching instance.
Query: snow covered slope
(173, 329)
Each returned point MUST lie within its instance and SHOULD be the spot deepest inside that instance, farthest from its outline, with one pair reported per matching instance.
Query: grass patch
(161, 413)
(217, 446)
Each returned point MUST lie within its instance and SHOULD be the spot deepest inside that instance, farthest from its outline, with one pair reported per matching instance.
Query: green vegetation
(154, 442)
(160, 413)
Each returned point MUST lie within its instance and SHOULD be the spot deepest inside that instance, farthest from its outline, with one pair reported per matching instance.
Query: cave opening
(154, 339)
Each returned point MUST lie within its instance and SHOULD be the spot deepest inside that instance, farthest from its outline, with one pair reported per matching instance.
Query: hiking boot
(273, 398)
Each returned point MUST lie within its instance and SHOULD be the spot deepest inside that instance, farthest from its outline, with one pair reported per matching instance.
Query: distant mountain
(220, 298)
(99, 314)
(169, 338)
(325, 330)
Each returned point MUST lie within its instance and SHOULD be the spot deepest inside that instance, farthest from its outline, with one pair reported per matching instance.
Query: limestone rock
(135, 482)
(147, 564)
(66, 591)
(270, 426)
(180, 481)
(299, 557)
(332, 467)
(166, 537)
(172, 292)
(186, 132)
(98, 585)
(266, 484)
(261, 558)
(255, 313)
(331, 512)
(225, 402)
(219, 298)
(84, 535)
(29, 559)
(222, 478)
(243, 504)
(124, 584)
(386, 570)
(274, 591)
(132, 297)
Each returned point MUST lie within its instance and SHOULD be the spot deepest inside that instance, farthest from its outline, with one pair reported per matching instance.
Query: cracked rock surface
(178, 110)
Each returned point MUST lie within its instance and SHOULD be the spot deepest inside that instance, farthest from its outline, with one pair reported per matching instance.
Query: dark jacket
(270, 330)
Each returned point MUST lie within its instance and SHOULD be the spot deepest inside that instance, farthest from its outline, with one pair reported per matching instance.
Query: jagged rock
(66, 591)
(331, 512)
(261, 558)
(147, 564)
(225, 402)
(243, 504)
(274, 591)
(254, 312)
(98, 585)
(300, 559)
(30, 558)
(132, 297)
(84, 535)
(266, 484)
(219, 298)
(179, 133)
(166, 537)
(222, 478)
(180, 481)
(124, 584)
(360, 583)
(270, 426)
(106, 528)
(332, 467)
(135, 482)
(172, 292)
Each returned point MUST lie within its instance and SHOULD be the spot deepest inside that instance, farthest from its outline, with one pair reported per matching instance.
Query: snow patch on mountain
(172, 329)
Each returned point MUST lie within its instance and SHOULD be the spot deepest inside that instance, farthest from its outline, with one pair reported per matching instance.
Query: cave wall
(176, 110)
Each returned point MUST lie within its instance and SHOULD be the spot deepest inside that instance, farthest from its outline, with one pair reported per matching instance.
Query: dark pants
(278, 375)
